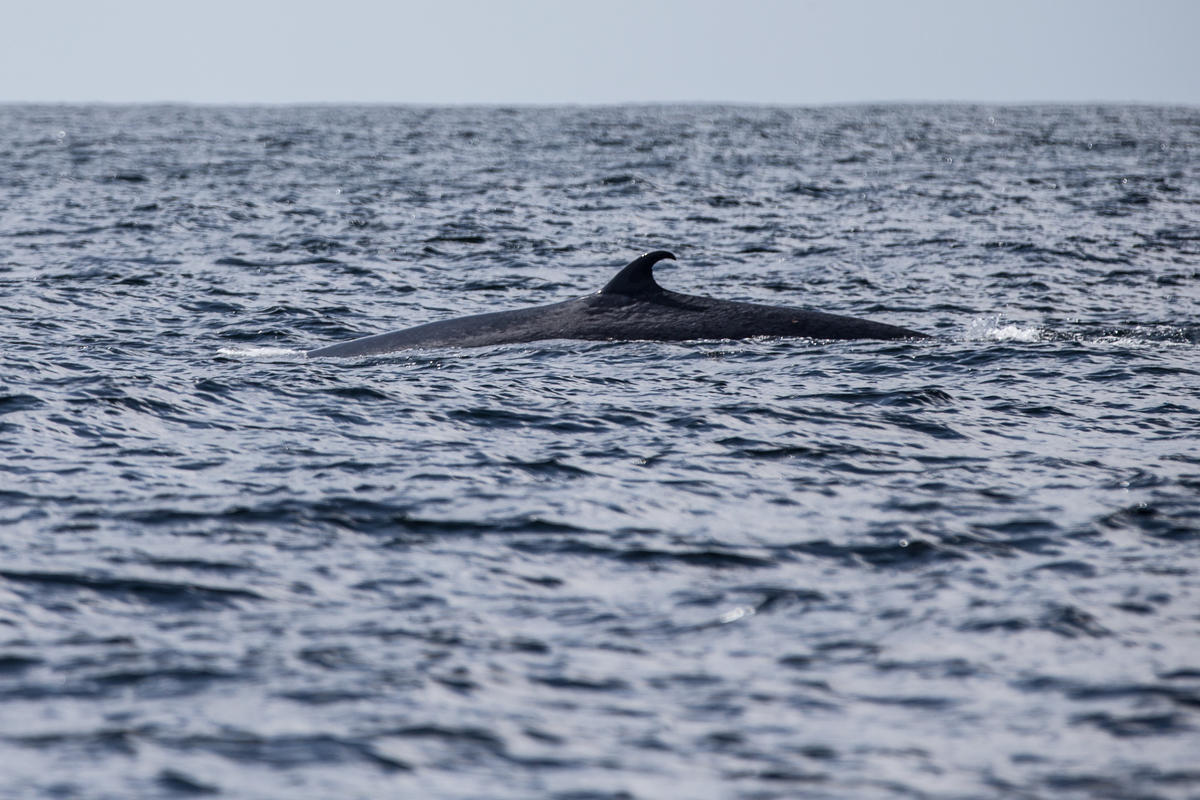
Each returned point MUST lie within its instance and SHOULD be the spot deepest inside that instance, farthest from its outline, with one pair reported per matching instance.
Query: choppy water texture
(961, 568)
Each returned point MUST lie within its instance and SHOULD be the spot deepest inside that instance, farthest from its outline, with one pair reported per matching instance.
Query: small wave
(993, 329)
(262, 353)
(1156, 335)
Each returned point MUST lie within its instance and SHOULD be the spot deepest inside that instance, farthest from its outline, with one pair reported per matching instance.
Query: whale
(631, 306)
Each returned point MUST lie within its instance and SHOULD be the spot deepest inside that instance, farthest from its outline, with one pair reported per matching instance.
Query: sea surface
(967, 567)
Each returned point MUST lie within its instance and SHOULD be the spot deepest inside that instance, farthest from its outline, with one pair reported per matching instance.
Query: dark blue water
(957, 568)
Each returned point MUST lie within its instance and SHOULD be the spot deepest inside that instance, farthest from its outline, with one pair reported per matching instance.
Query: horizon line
(598, 104)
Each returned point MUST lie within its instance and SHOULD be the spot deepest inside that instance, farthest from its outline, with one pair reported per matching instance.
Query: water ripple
(761, 568)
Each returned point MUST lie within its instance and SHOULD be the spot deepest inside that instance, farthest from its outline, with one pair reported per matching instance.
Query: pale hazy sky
(538, 51)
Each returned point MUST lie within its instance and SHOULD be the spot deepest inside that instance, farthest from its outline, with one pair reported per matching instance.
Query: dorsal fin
(637, 278)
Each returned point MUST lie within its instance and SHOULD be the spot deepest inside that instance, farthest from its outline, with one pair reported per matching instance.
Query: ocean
(962, 567)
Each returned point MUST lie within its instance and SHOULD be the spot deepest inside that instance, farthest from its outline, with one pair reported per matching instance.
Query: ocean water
(957, 568)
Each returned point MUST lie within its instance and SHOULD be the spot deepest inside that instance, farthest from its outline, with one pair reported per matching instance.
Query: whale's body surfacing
(631, 306)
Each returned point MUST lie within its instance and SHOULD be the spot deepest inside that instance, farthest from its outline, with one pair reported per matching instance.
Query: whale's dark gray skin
(631, 306)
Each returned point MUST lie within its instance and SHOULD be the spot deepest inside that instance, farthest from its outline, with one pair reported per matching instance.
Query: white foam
(264, 353)
(991, 329)
(1016, 333)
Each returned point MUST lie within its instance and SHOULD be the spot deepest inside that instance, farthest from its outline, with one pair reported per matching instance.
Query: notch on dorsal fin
(637, 278)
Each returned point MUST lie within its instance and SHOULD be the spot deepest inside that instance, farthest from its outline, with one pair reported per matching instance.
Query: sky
(600, 51)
